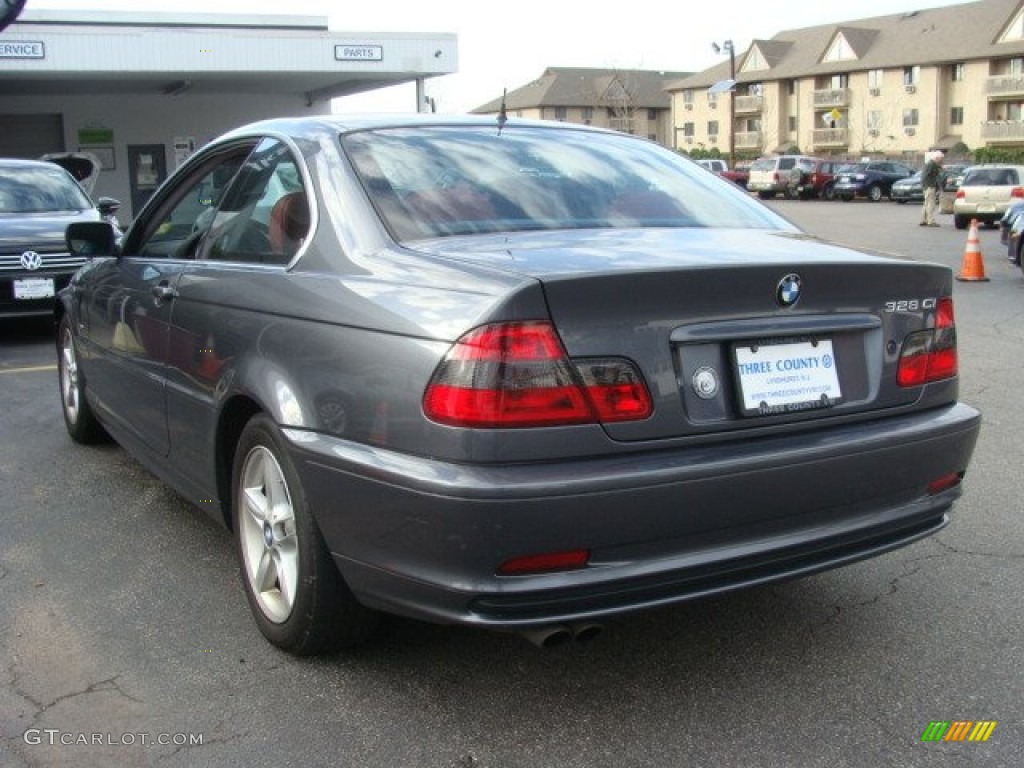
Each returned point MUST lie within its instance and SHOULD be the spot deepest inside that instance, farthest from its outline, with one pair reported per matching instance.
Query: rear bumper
(424, 538)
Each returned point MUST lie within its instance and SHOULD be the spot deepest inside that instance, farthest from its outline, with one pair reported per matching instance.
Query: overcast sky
(508, 44)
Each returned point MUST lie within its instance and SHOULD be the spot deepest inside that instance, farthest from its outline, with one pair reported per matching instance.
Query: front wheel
(875, 193)
(78, 416)
(297, 596)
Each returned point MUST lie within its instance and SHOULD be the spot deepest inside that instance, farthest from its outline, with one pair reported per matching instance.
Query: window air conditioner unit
(688, 105)
(713, 138)
(713, 104)
(689, 139)
(911, 88)
(875, 91)
(910, 131)
(873, 132)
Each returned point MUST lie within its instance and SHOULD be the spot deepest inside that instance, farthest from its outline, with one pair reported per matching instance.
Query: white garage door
(31, 135)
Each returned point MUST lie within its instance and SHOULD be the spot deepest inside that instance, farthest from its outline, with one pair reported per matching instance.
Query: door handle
(164, 291)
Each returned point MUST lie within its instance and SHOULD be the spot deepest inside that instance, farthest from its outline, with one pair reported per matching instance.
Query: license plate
(33, 288)
(986, 209)
(787, 377)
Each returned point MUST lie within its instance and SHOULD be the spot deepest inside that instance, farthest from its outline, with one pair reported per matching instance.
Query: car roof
(315, 125)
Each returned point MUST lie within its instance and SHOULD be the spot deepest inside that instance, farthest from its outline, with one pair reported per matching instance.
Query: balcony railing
(748, 104)
(831, 137)
(1003, 130)
(833, 97)
(749, 140)
(1005, 85)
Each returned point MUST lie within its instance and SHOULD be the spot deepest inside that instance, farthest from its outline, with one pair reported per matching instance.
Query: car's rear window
(990, 177)
(448, 180)
(39, 189)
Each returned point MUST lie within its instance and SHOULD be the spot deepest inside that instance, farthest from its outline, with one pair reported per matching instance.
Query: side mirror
(108, 206)
(90, 238)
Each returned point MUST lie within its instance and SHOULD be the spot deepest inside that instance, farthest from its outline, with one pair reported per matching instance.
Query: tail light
(1017, 192)
(960, 194)
(518, 375)
(930, 355)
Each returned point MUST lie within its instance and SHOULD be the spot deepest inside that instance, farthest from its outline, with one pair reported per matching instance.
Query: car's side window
(264, 217)
(183, 218)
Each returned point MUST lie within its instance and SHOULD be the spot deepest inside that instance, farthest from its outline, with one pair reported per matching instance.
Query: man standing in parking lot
(930, 186)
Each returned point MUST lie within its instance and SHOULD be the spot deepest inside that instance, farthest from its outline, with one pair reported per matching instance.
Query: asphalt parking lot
(125, 638)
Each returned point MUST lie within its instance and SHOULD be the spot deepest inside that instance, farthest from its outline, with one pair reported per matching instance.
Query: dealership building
(142, 91)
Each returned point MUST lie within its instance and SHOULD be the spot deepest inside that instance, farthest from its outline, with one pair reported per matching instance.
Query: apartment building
(628, 100)
(897, 84)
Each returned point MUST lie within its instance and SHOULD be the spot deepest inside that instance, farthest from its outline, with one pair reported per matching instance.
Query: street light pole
(728, 46)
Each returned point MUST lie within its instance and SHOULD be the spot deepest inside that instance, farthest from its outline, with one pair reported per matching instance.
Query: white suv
(769, 176)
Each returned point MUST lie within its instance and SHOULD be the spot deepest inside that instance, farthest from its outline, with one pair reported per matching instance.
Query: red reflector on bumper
(544, 563)
(944, 483)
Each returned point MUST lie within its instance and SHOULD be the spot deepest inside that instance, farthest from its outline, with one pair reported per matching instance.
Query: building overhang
(53, 53)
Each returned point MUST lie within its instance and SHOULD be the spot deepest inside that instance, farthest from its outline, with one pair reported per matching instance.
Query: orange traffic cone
(973, 267)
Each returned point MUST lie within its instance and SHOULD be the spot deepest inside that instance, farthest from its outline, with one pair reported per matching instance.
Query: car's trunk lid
(704, 315)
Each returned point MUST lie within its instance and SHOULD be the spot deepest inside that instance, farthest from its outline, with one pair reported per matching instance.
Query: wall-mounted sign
(96, 135)
(22, 49)
(359, 52)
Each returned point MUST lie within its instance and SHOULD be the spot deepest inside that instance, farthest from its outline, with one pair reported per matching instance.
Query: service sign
(352, 52)
(783, 378)
(22, 49)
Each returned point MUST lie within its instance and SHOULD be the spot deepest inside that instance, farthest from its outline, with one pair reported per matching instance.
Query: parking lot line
(30, 369)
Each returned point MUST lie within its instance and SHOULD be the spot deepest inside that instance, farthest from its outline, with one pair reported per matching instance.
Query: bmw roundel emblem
(788, 291)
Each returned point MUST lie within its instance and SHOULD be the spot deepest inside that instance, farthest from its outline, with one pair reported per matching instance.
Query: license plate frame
(33, 288)
(780, 376)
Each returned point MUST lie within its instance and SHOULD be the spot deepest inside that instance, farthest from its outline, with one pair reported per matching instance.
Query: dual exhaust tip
(562, 634)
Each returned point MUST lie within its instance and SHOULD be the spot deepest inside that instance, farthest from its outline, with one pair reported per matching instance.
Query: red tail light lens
(960, 194)
(930, 355)
(1017, 192)
(518, 375)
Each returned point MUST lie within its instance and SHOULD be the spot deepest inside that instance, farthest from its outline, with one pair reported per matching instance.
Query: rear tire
(766, 195)
(299, 600)
(78, 416)
(960, 222)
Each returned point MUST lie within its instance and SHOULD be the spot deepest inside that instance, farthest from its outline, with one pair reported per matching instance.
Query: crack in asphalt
(972, 553)
(109, 684)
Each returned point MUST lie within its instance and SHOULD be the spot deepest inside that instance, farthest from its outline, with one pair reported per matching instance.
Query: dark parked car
(872, 180)
(37, 202)
(908, 190)
(525, 376)
(1011, 226)
(951, 177)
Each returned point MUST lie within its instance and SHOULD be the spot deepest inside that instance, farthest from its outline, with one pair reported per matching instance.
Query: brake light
(960, 194)
(1017, 192)
(930, 355)
(518, 375)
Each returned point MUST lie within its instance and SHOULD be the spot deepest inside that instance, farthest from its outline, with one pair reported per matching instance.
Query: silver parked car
(516, 375)
(985, 192)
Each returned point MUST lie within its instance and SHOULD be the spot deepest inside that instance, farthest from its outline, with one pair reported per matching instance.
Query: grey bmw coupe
(509, 374)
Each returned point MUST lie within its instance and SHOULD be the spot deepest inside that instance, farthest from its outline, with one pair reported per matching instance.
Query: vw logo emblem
(31, 260)
(788, 291)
